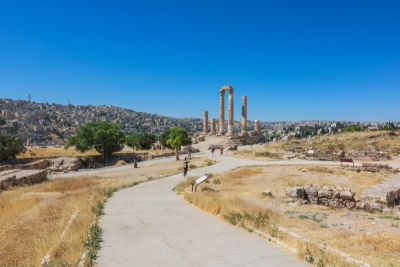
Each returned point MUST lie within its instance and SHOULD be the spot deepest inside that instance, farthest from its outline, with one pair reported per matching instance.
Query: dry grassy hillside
(378, 145)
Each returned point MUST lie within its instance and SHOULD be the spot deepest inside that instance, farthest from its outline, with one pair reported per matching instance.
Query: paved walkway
(149, 225)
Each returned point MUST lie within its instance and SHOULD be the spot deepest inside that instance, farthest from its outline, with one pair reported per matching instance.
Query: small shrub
(234, 218)
(121, 163)
(93, 243)
(216, 181)
(310, 258)
(109, 191)
(274, 230)
(303, 217)
(260, 220)
(209, 189)
(98, 210)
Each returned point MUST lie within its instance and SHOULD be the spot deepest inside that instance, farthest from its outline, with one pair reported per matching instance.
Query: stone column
(213, 128)
(244, 116)
(221, 123)
(257, 127)
(230, 111)
(205, 122)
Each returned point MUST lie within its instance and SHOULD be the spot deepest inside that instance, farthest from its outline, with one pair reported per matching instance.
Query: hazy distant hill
(45, 123)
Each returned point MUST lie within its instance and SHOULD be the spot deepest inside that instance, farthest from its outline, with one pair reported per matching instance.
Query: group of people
(189, 157)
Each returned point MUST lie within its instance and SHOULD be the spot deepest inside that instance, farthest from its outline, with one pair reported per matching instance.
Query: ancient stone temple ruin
(243, 136)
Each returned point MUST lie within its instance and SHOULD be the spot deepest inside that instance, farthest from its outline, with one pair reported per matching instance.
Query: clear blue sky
(294, 59)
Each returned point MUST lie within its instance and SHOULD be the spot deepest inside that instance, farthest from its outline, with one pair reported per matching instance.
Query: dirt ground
(371, 238)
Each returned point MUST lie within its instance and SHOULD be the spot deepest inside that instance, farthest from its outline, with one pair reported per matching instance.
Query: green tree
(163, 138)
(353, 128)
(102, 136)
(389, 127)
(10, 146)
(140, 141)
(174, 138)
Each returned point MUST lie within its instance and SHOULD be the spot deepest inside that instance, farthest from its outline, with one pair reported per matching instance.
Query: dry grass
(33, 218)
(237, 198)
(38, 152)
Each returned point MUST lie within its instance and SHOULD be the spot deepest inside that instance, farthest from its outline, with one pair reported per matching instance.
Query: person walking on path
(190, 152)
(212, 151)
(221, 150)
(185, 167)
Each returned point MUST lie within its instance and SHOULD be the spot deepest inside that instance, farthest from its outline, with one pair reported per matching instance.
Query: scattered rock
(268, 193)
(347, 195)
(325, 193)
(295, 192)
(376, 207)
(350, 205)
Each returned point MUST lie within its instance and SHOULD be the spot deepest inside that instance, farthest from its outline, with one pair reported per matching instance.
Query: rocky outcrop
(65, 164)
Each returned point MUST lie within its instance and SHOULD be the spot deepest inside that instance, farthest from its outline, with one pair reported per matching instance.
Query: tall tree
(102, 136)
(140, 141)
(174, 138)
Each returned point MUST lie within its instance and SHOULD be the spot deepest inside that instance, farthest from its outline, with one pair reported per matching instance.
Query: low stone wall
(36, 165)
(21, 177)
(368, 154)
(331, 197)
(375, 167)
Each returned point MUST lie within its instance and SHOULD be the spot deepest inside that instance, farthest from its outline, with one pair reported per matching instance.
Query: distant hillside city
(46, 124)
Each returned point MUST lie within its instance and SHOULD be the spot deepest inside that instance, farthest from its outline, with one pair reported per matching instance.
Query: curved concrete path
(150, 225)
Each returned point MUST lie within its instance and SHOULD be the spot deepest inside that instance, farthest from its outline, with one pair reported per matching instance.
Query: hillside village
(50, 124)
(46, 124)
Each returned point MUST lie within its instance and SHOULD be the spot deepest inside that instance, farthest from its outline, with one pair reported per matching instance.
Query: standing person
(190, 152)
(185, 167)
(212, 151)
(221, 150)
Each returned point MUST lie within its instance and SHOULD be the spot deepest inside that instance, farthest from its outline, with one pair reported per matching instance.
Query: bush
(353, 128)
(121, 163)
(10, 146)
